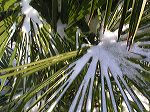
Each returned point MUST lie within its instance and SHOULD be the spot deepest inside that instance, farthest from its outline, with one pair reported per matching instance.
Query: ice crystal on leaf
(114, 61)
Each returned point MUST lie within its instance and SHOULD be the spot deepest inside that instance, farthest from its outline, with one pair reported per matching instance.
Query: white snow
(60, 28)
(12, 29)
(77, 37)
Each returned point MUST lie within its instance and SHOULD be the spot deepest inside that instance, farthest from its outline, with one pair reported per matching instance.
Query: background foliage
(43, 49)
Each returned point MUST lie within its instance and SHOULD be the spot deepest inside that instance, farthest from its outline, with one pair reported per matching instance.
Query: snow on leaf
(30, 14)
(113, 58)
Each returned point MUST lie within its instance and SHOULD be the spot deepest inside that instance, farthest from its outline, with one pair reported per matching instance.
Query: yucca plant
(74, 55)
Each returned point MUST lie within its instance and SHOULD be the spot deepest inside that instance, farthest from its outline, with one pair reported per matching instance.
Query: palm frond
(74, 55)
(113, 61)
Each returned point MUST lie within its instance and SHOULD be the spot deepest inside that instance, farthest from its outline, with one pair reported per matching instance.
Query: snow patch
(60, 28)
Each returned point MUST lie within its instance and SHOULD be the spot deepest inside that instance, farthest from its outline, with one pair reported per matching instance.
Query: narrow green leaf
(107, 13)
(2, 83)
(135, 19)
(15, 87)
(54, 13)
(93, 5)
(136, 107)
(2, 47)
(123, 17)
(115, 16)
(13, 55)
(36, 66)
